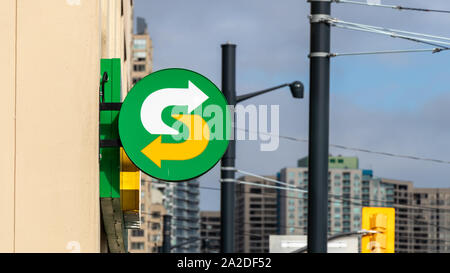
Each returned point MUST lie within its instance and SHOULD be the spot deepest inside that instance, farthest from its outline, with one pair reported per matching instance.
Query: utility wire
(390, 6)
(395, 33)
(263, 185)
(351, 27)
(344, 199)
(433, 50)
(390, 29)
(333, 196)
(388, 32)
(338, 197)
(261, 193)
(353, 203)
(280, 226)
(385, 202)
(268, 179)
(354, 149)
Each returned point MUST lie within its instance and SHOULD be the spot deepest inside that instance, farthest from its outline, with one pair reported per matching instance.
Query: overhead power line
(412, 36)
(433, 50)
(263, 185)
(355, 204)
(397, 7)
(261, 177)
(339, 198)
(412, 157)
(394, 30)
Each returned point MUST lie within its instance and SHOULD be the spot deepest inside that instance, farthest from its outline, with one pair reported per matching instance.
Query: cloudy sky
(391, 103)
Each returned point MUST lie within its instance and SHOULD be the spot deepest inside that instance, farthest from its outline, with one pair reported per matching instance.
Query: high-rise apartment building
(142, 52)
(148, 238)
(349, 189)
(256, 215)
(422, 218)
(402, 202)
(155, 226)
(431, 220)
(181, 200)
(210, 231)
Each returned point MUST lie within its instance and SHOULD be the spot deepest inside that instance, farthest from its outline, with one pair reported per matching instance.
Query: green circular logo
(175, 124)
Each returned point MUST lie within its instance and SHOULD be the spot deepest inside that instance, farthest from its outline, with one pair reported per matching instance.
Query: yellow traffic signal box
(381, 221)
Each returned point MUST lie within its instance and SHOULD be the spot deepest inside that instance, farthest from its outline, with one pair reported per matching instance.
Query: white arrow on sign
(157, 101)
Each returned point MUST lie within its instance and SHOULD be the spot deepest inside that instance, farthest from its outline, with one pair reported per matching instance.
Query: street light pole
(227, 172)
(319, 108)
(227, 196)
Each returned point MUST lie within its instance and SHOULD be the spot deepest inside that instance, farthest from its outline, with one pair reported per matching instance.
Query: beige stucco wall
(7, 124)
(117, 29)
(49, 176)
(49, 77)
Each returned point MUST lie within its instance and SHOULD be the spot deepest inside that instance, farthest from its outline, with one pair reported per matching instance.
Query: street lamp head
(297, 89)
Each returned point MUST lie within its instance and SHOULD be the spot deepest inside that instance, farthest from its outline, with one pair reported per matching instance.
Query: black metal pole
(167, 228)
(227, 193)
(319, 108)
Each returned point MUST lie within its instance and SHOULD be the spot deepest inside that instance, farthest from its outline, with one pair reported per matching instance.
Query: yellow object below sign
(382, 222)
(130, 182)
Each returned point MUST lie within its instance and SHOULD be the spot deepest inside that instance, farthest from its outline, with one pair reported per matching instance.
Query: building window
(137, 233)
(156, 214)
(139, 67)
(140, 44)
(156, 238)
(140, 56)
(337, 190)
(139, 246)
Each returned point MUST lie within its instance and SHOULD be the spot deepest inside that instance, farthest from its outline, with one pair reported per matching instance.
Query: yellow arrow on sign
(191, 148)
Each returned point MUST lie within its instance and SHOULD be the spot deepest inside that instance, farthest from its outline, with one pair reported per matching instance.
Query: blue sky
(393, 103)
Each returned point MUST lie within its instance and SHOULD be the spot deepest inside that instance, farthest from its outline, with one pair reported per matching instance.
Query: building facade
(49, 114)
(148, 238)
(142, 60)
(181, 200)
(256, 215)
(431, 220)
(402, 197)
(349, 187)
(210, 231)
(422, 218)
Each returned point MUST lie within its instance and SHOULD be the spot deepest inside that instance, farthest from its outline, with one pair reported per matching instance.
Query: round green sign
(175, 124)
